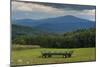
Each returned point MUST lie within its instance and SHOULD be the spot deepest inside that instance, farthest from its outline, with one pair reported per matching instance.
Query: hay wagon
(65, 54)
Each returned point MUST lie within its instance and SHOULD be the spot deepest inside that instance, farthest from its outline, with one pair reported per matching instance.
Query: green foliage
(19, 30)
(77, 39)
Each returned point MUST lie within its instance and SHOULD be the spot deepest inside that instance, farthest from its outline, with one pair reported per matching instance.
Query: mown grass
(33, 56)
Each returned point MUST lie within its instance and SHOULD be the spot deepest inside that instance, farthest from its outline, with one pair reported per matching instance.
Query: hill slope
(59, 24)
(18, 30)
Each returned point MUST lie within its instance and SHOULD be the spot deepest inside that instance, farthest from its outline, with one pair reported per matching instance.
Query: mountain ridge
(58, 24)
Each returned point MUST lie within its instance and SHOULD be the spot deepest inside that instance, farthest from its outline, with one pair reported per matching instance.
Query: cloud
(22, 6)
(86, 14)
(89, 12)
(40, 11)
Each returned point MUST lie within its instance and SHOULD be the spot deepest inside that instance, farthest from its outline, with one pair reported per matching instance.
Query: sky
(38, 11)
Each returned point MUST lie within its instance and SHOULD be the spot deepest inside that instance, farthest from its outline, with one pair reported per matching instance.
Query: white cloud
(22, 6)
(89, 12)
(50, 11)
(86, 14)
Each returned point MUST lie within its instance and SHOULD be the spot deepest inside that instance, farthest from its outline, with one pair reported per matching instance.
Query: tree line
(77, 39)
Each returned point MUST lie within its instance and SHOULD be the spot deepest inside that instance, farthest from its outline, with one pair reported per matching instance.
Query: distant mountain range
(18, 30)
(57, 25)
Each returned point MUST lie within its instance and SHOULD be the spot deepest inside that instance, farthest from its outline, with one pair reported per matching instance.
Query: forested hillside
(79, 38)
(19, 30)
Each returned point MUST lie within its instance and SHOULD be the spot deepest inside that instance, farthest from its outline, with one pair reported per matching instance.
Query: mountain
(18, 30)
(58, 24)
(26, 22)
(65, 23)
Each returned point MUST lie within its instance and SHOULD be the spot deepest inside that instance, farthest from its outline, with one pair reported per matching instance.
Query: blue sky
(38, 11)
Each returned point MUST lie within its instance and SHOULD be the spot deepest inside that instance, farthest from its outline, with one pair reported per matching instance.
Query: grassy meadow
(26, 49)
(33, 56)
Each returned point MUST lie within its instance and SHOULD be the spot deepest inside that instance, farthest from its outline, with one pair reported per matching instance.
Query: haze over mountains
(58, 24)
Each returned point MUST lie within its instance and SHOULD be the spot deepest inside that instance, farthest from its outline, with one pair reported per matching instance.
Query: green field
(33, 56)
